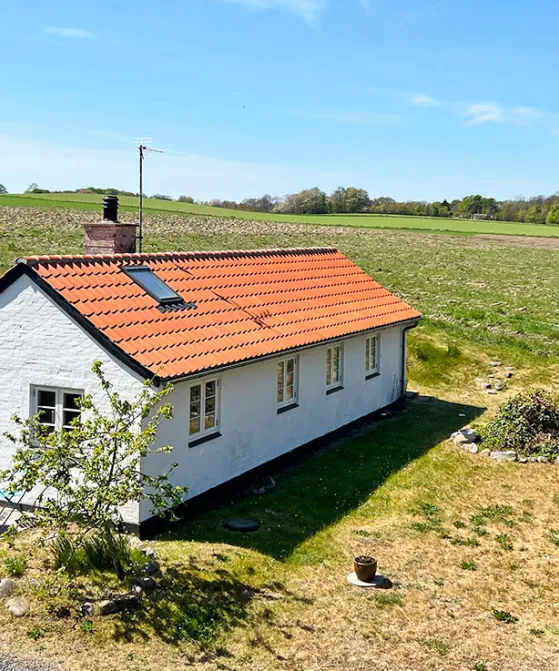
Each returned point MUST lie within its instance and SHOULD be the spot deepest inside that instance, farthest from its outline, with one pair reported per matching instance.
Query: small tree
(86, 473)
(3, 190)
(553, 215)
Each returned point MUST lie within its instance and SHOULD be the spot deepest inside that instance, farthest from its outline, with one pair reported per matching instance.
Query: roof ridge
(202, 254)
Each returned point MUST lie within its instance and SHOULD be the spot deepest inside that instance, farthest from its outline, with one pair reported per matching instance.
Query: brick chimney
(109, 236)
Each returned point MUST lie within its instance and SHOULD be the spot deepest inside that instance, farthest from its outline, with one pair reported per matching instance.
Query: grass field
(460, 537)
(457, 226)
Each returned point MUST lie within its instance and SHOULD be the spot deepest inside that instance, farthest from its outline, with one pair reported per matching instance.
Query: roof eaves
(274, 355)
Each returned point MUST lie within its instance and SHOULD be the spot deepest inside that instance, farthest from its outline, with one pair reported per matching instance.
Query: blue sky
(419, 99)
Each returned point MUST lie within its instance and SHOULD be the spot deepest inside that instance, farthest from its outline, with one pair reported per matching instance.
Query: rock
(470, 434)
(461, 441)
(522, 460)
(473, 449)
(532, 460)
(557, 460)
(485, 453)
(135, 543)
(149, 552)
(18, 606)
(119, 603)
(7, 588)
(509, 374)
(151, 567)
(145, 583)
(509, 455)
(499, 386)
(492, 392)
(87, 609)
(494, 364)
(541, 460)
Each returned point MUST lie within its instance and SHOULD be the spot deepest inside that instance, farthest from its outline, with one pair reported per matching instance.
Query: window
(287, 382)
(334, 367)
(204, 408)
(154, 285)
(372, 356)
(56, 408)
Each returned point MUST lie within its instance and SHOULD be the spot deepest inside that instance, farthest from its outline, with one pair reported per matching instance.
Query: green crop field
(129, 203)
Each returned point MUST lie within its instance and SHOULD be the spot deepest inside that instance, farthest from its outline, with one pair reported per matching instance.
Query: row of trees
(352, 200)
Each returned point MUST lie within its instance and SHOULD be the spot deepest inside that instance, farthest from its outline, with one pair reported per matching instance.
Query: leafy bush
(526, 423)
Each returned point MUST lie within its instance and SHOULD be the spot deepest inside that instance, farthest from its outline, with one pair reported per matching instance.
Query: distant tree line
(352, 200)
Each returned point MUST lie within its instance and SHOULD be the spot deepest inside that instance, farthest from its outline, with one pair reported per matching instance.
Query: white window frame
(337, 384)
(295, 398)
(58, 406)
(372, 355)
(203, 432)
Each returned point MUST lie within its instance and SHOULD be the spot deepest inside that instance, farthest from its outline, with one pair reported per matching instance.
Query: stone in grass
(7, 588)
(485, 453)
(461, 441)
(120, 603)
(508, 455)
(492, 392)
(18, 606)
(494, 364)
(135, 543)
(473, 449)
(464, 437)
(151, 567)
(149, 552)
(87, 609)
(499, 386)
(243, 525)
(146, 583)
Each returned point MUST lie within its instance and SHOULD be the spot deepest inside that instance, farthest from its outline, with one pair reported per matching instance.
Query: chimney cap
(110, 208)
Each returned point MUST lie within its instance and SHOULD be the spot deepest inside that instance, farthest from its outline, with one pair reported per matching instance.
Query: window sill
(370, 376)
(333, 390)
(286, 408)
(204, 439)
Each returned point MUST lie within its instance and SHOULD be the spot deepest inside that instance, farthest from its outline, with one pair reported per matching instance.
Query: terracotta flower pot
(365, 568)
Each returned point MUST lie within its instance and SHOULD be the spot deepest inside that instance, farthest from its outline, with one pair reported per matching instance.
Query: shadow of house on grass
(321, 490)
(192, 605)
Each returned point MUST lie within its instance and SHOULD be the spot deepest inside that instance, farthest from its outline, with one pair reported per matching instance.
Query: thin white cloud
(425, 101)
(69, 33)
(367, 119)
(478, 113)
(307, 9)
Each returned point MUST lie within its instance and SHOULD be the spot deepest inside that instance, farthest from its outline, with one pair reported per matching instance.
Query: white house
(267, 350)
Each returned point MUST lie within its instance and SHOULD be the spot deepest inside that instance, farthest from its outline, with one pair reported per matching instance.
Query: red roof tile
(248, 303)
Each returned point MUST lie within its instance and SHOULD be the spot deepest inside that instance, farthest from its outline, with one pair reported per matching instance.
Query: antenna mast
(141, 149)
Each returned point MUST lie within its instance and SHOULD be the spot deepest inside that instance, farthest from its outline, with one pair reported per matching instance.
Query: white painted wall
(252, 431)
(41, 345)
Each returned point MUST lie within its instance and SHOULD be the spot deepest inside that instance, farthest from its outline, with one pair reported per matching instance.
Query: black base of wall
(224, 493)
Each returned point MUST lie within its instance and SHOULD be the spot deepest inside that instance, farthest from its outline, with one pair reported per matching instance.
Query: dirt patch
(521, 241)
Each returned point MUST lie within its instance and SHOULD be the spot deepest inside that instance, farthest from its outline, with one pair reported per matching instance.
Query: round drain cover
(240, 524)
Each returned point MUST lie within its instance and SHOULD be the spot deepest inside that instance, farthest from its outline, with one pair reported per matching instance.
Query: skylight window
(153, 285)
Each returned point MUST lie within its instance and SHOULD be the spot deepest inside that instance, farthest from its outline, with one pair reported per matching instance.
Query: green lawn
(464, 227)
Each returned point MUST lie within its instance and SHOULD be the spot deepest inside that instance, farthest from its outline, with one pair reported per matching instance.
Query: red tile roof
(248, 303)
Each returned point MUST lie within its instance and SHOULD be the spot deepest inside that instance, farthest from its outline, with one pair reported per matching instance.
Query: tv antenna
(143, 147)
